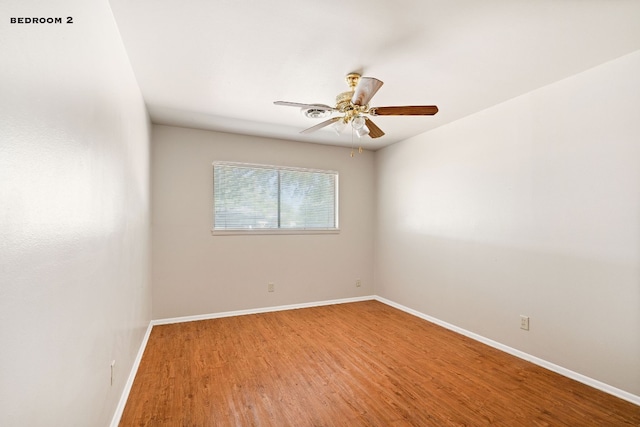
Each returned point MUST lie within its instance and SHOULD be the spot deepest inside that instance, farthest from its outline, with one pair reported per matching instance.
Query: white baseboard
(132, 375)
(258, 310)
(520, 354)
(136, 364)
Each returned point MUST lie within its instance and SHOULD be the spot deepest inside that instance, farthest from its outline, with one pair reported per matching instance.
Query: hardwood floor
(358, 364)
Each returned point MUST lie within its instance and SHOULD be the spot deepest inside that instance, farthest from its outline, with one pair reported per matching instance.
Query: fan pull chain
(360, 150)
(352, 142)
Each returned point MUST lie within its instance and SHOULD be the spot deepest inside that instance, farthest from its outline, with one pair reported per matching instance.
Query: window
(258, 198)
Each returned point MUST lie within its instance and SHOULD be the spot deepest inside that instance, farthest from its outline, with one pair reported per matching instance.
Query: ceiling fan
(354, 107)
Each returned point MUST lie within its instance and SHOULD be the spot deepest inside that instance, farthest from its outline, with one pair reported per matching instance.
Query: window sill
(255, 231)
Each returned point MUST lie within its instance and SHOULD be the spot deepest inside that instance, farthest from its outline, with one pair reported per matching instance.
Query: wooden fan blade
(306, 106)
(321, 125)
(414, 110)
(364, 91)
(374, 131)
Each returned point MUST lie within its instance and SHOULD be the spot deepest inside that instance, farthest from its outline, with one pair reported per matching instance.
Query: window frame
(271, 231)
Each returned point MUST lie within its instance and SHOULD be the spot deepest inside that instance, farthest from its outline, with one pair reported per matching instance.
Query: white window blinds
(248, 197)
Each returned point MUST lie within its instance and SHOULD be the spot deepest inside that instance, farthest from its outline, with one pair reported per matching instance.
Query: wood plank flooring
(358, 364)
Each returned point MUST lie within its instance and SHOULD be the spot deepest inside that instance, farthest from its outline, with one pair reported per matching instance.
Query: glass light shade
(339, 126)
(362, 131)
(357, 122)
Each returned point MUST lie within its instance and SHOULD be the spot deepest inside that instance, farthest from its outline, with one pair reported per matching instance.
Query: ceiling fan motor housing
(343, 101)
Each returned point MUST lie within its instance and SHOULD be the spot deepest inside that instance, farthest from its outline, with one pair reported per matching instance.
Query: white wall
(530, 207)
(197, 273)
(74, 216)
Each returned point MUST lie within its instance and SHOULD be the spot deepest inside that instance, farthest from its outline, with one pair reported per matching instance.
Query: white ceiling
(221, 64)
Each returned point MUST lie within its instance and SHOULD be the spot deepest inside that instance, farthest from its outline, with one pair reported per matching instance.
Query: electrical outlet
(358, 283)
(524, 322)
(271, 287)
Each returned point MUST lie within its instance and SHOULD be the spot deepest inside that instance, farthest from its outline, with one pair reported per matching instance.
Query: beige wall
(74, 216)
(197, 273)
(530, 207)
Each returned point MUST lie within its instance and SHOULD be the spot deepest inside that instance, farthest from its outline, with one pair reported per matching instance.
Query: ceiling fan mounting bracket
(352, 80)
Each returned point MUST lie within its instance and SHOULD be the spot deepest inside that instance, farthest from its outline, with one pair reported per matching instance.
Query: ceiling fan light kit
(363, 131)
(354, 105)
(339, 126)
(357, 122)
